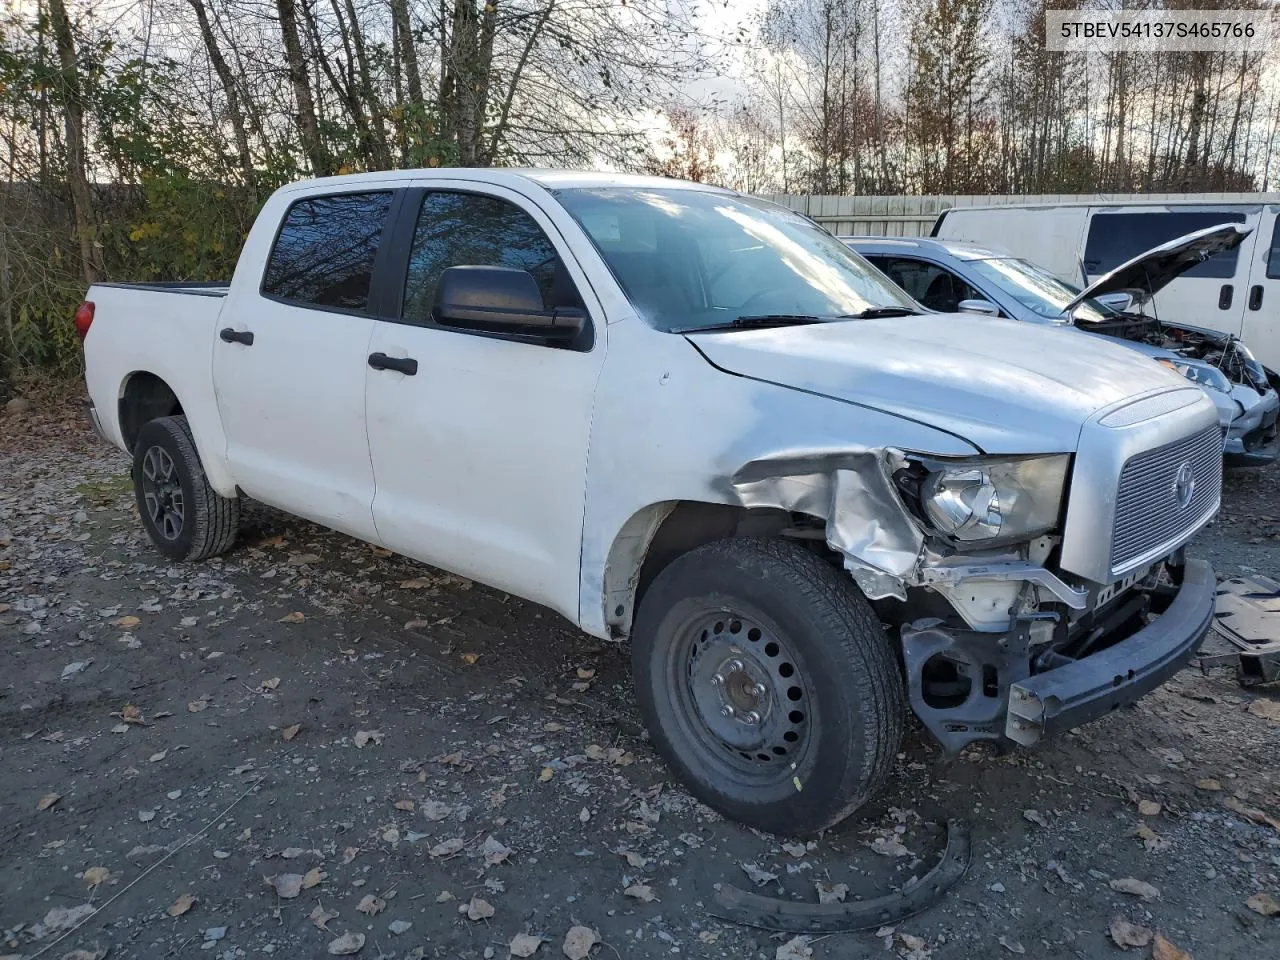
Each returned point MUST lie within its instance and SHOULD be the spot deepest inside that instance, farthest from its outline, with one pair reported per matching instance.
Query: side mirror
(501, 300)
(1121, 301)
(984, 307)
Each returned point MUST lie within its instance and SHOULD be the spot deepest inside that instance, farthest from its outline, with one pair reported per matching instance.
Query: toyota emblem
(1184, 485)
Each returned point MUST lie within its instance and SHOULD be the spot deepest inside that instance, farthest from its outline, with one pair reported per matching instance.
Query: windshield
(689, 259)
(1037, 289)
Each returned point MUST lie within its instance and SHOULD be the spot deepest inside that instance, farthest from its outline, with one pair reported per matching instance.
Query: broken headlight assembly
(986, 499)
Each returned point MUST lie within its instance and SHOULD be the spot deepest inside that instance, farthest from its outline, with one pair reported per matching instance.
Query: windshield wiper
(872, 313)
(757, 321)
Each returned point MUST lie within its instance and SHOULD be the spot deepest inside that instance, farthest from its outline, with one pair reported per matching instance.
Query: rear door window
(324, 254)
(1115, 238)
(1273, 257)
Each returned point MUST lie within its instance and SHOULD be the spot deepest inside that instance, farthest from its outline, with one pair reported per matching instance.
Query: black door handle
(1224, 296)
(229, 335)
(406, 365)
(1255, 297)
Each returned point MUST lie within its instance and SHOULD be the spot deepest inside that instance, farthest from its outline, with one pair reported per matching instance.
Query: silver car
(951, 276)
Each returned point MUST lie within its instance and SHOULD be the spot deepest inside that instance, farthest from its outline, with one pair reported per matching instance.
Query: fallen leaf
(495, 851)
(1263, 903)
(181, 905)
(545, 774)
(637, 860)
(96, 876)
(405, 805)
(417, 583)
(364, 737)
(347, 944)
(297, 616)
(125, 623)
(321, 917)
(157, 757)
(796, 850)
(286, 885)
(1208, 784)
(524, 945)
(434, 810)
(291, 731)
(1136, 888)
(1148, 808)
(889, 846)
(797, 948)
(758, 877)
(1162, 949)
(579, 941)
(448, 848)
(1251, 813)
(640, 891)
(444, 896)
(1267, 709)
(196, 706)
(302, 559)
(1034, 816)
(1126, 934)
(60, 919)
(584, 674)
(479, 909)
(371, 905)
(470, 658)
(831, 892)
(1153, 842)
(271, 684)
(709, 936)
(48, 800)
(1013, 946)
(94, 954)
(312, 878)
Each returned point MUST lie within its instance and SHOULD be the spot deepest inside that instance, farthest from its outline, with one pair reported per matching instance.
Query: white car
(696, 421)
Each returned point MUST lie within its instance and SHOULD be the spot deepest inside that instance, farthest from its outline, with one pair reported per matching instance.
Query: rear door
(1262, 302)
(478, 440)
(290, 360)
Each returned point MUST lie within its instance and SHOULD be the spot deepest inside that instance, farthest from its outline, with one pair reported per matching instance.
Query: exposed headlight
(1200, 374)
(989, 499)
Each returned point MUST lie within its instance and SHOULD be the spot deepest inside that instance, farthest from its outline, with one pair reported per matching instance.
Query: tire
(795, 646)
(184, 516)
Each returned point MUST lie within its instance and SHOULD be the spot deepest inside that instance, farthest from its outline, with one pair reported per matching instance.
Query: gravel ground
(311, 747)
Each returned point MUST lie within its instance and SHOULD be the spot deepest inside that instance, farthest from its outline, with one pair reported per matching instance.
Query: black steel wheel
(767, 683)
(184, 516)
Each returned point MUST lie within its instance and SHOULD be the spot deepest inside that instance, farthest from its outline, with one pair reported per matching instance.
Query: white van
(1237, 291)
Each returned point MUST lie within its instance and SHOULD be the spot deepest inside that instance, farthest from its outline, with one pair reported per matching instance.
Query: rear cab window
(1115, 238)
(324, 254)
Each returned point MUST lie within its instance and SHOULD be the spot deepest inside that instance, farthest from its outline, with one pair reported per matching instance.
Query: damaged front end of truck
(1029, 594)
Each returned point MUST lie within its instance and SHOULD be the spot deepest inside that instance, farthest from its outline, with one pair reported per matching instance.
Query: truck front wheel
(768, 684)
(185, 517)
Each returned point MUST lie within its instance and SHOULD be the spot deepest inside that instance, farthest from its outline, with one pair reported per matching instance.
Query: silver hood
(1005, 386)
(1148, 273)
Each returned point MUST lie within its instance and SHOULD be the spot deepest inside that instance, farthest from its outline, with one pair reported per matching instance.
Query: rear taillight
(84, 318)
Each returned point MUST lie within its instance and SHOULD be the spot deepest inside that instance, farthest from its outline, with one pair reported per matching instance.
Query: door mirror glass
(501, 300)
(984, 307)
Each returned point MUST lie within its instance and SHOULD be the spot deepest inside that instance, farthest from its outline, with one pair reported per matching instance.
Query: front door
(289, 364)
(479, 441)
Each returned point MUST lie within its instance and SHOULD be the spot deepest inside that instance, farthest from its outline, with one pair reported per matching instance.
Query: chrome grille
(1148, 517)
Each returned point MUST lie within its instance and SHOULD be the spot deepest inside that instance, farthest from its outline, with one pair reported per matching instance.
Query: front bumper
(1256, 446)
(1077, 693)
(1005, 700)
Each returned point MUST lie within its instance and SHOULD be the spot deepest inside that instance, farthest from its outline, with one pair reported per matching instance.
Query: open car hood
(1149, 272)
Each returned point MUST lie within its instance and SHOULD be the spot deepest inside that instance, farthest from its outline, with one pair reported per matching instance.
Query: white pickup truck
(693, 420)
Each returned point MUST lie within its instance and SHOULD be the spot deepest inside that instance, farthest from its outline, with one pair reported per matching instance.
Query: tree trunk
(228, 81)
(308, 124)
(73, 114)
(408, 52)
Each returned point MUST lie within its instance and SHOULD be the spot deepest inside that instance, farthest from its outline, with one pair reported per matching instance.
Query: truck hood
(1004, 386)
(1148, 273)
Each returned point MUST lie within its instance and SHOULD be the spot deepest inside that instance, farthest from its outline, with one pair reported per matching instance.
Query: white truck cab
(696, 421)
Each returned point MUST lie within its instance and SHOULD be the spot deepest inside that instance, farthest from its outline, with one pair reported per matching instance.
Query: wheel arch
(657, 534)
(143, 396)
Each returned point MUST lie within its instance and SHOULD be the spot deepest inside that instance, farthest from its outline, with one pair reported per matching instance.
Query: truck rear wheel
(768, 684)
(184, 516)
